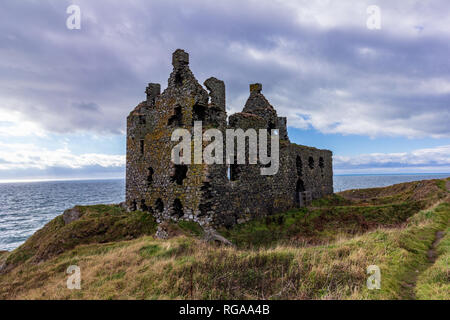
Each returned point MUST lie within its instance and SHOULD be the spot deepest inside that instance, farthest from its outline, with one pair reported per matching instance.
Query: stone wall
(217, 194)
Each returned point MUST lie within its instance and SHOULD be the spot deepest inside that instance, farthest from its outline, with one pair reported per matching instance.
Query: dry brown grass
(186, 267)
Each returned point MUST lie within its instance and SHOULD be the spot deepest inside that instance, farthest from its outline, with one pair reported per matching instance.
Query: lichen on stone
(204, 193)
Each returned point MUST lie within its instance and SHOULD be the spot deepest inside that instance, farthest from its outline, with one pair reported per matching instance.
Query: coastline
(407, 217)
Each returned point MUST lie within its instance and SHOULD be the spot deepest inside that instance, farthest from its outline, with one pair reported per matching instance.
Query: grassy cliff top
(319, 252)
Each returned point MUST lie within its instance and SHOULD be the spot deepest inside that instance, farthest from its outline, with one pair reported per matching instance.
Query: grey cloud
(437, 158)
(88, 80)
(88, 172)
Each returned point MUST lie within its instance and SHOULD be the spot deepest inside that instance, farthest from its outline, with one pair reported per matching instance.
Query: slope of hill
(320, 252)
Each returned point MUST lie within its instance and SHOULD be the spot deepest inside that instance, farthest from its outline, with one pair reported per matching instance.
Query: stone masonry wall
(218, 194)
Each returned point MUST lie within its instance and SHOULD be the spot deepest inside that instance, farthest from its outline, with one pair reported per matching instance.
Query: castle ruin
(215, 194)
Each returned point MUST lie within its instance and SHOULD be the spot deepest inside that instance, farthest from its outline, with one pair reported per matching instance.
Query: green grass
(332, 200)
(124, 261)
(434, 283)
(320, 224)
(409, 259)
(185, 267)
(149, 251)
(442, 184)
(98, 224)
(191, 227)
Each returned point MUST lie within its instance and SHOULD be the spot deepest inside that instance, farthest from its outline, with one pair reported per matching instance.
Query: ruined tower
(216, 194)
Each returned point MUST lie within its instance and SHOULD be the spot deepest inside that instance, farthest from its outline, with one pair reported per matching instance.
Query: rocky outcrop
(71, 215)
(211, 235)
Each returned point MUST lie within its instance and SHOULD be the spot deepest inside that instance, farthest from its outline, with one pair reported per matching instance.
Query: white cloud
(319, 64)
(13, 124)
(27, 156)
(422, 160)
(407, 18)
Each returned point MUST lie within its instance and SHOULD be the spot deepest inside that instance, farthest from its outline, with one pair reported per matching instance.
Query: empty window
(321, 163)
(177, 208)
(198, 113)
(300, 187)
(143, 205)
(311, 162)
(299, 165)
(180, 173)
(178, 79)
(177, 118)
(142, 120)
(142, 146)
(271, 126)
(159, 205)
(235, 172)
(150, 176)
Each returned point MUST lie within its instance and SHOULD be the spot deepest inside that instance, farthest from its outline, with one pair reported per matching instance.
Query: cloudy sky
(379, 99)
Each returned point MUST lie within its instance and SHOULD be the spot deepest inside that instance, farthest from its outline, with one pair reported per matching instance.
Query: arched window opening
(178, 79)
(143, 205)
(177, 118)
(311, 162)
(159, 205)
(198, 113)
(142, 146)
(270, 127)
(235, 172)
(150, 176)
(321, 163)
(179, 173)
(299, 165)
(177, 209)
(299, 188)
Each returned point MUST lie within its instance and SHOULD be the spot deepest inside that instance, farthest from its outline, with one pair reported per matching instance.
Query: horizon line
(5, 181)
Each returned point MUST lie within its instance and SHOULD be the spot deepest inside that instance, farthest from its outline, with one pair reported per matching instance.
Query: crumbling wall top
(180, 59)
(256, 87)
(203, 193)
(217, 92)
(153, 90)
(257, 103)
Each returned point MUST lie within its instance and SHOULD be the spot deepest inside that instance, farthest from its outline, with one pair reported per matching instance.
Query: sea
(27, 206)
